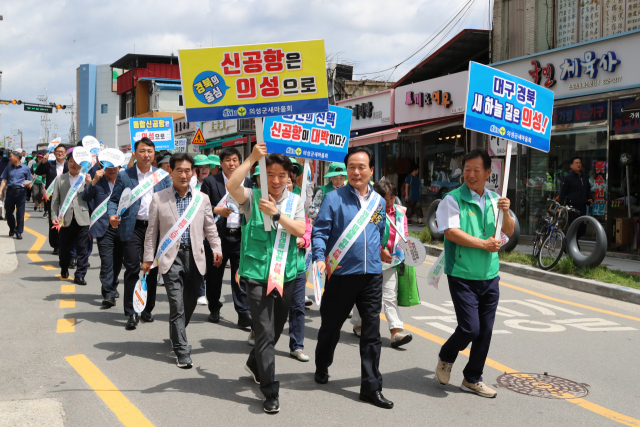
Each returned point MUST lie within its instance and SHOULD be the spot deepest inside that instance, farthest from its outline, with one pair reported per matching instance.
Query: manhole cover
(540, 385)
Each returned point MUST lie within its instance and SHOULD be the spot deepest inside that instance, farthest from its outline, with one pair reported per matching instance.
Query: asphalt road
(59, 344)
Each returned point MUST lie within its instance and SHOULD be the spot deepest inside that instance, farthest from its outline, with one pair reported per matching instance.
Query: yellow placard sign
(260, 80)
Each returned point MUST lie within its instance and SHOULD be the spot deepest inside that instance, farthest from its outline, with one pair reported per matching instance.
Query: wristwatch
(276, 217)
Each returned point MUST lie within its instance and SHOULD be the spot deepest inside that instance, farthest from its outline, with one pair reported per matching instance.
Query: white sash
(223, 202)
(147, 185)
(281, 248)
(100, 211)
(173, 235)
(73, 192)
(438, 267)
(49, 192)
(351, 233)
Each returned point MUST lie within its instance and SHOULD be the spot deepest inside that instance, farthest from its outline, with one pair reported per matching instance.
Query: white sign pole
(505, 184)
(263, 172)
(305, 181)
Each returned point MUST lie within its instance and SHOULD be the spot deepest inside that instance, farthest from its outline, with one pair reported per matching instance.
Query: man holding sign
(52, 169)
(269, 261)
(347, 244)
(181, 217)
(142, 180)
(468, 218)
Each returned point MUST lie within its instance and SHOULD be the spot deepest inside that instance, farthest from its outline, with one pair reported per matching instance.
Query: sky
(43, 42)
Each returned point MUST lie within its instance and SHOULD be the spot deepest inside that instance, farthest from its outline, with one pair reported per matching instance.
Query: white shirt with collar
(145, 201)
(73, 179)
(233, 220)
(448, 213)
(59, 168)
(363, 199)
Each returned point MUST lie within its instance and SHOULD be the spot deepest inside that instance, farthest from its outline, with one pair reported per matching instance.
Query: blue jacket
(338, 209)
(95, 195)
(129, 179)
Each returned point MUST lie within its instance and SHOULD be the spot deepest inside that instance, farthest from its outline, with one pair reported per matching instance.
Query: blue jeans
(475, 302)
(296, 313)
(15, 200)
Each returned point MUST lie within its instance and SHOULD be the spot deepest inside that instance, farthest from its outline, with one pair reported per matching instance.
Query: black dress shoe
(147, 317)
(245, 322)
(19, 236)
(214, 317)
(88, 265)
(376, 398)
(54, 251)
(79, 281)
(322, 377)
(64, 274)
(184, 361)
(10, 233)
(132, 322)
(73, 264)
(109, 302)
(271, 404)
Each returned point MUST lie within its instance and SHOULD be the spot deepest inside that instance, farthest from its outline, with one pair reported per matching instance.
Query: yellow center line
(67, 289)
(61, 278)
(127, 413)
(66, 325)
(35, 248)
(67, 303)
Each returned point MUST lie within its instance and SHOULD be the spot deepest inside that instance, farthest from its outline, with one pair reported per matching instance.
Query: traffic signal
(61, 107)
(16, 101)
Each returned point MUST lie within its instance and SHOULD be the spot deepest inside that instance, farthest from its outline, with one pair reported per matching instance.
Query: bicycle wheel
(551, 249)
(537, 242)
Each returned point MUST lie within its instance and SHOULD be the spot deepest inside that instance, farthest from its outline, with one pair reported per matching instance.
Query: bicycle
(549, 243)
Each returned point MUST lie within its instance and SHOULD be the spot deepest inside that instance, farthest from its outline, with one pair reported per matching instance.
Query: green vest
(257, 246)
(326, 189)
(296, 190)
(465, 262)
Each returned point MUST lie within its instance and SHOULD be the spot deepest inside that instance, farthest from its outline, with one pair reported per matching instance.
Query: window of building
(544, 25)
(104, 108)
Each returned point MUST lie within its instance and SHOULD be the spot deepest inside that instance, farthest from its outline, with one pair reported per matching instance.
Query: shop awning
(392, 134)
(227, 142)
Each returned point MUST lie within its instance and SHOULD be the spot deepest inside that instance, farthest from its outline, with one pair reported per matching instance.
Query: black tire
(513, 240)
(596, 257)
(431, 221)
(551, 248)
(537, 242)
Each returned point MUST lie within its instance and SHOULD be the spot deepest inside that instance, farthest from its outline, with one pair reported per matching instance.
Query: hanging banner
(157, 129)
(503, 105)
(254, 80)
(321, 136)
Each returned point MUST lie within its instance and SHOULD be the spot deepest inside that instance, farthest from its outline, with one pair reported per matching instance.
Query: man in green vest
(467, 216)
(268, 278)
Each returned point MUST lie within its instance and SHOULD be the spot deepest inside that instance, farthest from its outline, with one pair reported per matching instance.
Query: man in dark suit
(51, 170)
(228, 224)
(109, 244)
(132, 226)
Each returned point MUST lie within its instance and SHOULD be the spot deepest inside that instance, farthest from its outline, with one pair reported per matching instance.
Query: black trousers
(475, 302)
(340, 294)
(269, 314)
(15, 200)
(74, 236)
(133, 249)
(53, 233)
(110, 249)
(230, 251)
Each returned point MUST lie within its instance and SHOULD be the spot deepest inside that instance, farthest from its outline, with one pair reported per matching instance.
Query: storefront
(593, 82)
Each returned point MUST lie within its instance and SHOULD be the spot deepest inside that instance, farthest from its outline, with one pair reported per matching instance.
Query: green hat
(215, 160)
(297, 166)
(336, 169)
(257, 171)
(165, 159)
(201, 160)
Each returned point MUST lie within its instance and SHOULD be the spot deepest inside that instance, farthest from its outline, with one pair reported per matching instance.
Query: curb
(9, 262)
(621, 293)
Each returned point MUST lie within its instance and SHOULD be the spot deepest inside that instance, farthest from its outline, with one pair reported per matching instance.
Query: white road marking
(594, 325)
(437, 308)
(555, 307)
(441, 327)
(542, 310)
(546, 327)
(447, 319)
(500, 332)
(506, 312)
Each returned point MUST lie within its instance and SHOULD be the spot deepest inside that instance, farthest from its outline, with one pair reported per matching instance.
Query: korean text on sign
(157, 129)
(321, 136)
(254, 80)
(507, 106)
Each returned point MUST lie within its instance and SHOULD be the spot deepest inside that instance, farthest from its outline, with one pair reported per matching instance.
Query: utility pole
(44, 120)
(72, 129)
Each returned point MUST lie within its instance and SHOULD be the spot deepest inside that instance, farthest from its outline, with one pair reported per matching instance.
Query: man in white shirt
(228, 223)
(132, 226)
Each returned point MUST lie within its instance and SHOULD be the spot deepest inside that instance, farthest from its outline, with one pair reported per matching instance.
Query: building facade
(97, 102)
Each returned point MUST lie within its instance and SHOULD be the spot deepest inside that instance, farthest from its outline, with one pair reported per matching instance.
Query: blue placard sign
(319, 136)
(507, 106)
(157, 129)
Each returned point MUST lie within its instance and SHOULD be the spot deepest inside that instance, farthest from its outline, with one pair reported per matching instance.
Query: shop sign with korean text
(320, 136)
(258, 80)
(157, 129)
(503, 105)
